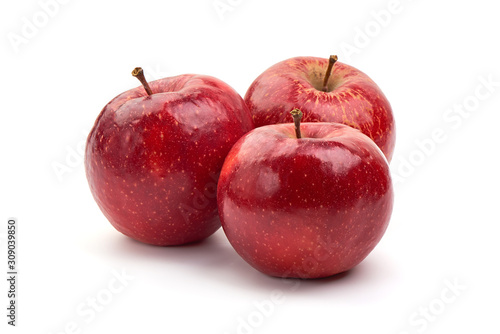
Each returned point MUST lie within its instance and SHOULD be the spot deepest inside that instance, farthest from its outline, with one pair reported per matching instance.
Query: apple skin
(353, 98)
(304, 208)
(152, 162)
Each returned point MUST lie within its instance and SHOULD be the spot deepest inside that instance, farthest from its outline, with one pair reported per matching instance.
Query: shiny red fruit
(307, 208)
(352, 98)
(152, 162)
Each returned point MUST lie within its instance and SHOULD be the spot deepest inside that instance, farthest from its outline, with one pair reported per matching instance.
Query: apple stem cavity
(139, 74)
(331, 62)
(297, 116)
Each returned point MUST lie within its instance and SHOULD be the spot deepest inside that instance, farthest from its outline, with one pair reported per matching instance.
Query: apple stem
(139, 74)
(297, 116)
(331, 62)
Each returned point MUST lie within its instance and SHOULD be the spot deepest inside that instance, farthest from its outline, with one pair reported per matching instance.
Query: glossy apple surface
(352, 98)
(307, 208)
(152, 162)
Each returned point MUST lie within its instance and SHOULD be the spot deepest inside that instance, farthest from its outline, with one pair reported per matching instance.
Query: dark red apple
(347, 96)
(155, 153)
(309, 207)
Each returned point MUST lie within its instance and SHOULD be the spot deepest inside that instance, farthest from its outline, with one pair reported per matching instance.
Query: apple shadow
(213, 256)
(362, 275)
(215, 259)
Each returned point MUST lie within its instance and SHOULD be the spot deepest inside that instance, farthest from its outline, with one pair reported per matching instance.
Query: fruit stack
(296, 173)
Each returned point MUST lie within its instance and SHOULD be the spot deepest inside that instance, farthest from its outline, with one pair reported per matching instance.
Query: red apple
(155, 153)
(306, 208)
(347, 96)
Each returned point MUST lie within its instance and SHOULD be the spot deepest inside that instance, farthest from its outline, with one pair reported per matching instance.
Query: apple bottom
(168, 234)
(304, 208)
(164, 210)
(281, 245)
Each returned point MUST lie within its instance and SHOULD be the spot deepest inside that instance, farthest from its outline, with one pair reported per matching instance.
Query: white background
(430, 58)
